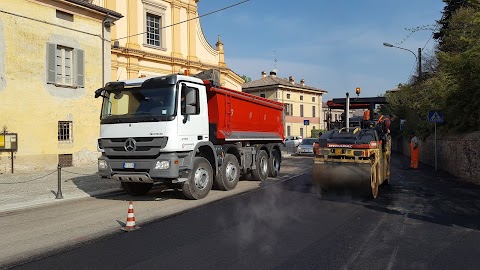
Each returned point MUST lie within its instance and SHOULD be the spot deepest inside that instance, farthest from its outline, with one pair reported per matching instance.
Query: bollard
(59, 191)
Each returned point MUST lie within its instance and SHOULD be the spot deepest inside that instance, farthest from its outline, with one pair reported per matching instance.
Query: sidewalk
(29, 189)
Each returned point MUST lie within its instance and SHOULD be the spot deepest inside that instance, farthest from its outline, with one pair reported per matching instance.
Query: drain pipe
(103, 48)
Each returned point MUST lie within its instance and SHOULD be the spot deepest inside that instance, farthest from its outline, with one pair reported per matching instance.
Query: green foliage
(453, 84)
(246, 79)
(314, 132)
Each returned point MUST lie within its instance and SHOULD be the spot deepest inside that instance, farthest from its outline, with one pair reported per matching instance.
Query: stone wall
(458, 155)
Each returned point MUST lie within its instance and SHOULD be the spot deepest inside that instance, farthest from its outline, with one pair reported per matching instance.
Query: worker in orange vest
(414, 143)
(366, 118)
(387, 120)
(366, 115)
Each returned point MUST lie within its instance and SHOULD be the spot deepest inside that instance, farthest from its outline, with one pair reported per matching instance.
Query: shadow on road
(102, 188)
(424, 195)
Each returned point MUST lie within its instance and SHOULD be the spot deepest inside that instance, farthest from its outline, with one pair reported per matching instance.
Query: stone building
(160, 37)
(50, 64)
(302, 102)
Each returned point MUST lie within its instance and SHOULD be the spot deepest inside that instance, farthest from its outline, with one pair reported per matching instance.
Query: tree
(246, 79)
(452, 84)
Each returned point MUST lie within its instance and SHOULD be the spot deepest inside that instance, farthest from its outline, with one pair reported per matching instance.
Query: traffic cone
(130, 226)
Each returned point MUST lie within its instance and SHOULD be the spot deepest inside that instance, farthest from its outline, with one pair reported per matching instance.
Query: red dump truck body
(238, 116)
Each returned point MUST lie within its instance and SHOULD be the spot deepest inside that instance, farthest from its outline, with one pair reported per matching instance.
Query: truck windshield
(132, 105)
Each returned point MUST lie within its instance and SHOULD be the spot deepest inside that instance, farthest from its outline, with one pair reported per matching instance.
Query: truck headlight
(102, 164)
(162, 165)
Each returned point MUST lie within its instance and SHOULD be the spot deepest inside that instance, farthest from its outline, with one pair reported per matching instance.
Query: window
(64, 16)
(288, 109)
(153, 29)
(313, 111)
(301, 132)
(65, 66)
(301, 97)
(301, 110)
(288, 96)
(154, 20)
(288, 131)
(262, 95)
(65, 132)
(313, 99)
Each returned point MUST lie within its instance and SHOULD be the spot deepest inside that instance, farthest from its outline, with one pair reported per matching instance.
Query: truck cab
(148, 117)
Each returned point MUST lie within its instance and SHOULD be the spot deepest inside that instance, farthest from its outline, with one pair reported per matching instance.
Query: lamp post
(418, 58)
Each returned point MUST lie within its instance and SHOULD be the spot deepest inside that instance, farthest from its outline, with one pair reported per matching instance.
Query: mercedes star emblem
(130, 145)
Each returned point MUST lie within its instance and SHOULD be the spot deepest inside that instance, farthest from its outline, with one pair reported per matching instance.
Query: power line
(206, 14)
(431, 36)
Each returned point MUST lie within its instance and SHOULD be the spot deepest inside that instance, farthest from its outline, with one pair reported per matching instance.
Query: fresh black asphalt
(422, 220)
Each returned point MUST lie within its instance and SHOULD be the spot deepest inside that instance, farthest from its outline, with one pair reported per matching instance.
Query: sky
(334, 45)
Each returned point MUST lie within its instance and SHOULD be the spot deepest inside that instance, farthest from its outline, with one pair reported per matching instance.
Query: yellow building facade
(301, 102)
(50, 66)
(160, 37)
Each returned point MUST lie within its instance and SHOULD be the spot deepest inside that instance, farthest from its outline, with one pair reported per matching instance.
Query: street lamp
(419, 58)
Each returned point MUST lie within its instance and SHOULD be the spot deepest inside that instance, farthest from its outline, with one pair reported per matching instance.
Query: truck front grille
(139, 146)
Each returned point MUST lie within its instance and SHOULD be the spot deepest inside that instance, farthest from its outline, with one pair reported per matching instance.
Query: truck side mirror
(189, 100)
(191, 96)
(190, 109)
(98, 92)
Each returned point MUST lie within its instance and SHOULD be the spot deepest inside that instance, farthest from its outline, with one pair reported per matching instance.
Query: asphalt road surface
(423, 220)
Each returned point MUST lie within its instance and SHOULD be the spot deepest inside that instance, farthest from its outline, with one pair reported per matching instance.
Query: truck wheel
(261, 172)
(199, 181)
(228, 174)
(136, 189)
(274, 163)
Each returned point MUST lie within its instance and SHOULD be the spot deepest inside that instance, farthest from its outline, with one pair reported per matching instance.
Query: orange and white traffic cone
(130, 226)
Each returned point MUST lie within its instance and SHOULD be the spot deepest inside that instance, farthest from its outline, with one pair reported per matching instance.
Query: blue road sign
(306, 122)
(435, 117)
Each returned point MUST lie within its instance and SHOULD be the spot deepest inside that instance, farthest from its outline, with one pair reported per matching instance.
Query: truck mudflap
(341, 174)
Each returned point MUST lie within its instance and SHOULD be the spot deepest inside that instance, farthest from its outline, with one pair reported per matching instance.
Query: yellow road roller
(352, 158)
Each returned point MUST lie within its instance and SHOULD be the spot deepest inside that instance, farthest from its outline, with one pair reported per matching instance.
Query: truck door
(192, 115)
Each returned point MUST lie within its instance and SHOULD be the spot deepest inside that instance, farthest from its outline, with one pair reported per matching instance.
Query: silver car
(306, 146)
(291, 141)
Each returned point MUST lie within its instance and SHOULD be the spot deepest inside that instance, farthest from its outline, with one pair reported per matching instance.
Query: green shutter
(79, 68)
(51, 57)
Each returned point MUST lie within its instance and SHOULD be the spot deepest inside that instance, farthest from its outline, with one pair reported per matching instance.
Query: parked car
(306, 146)
(291, 141)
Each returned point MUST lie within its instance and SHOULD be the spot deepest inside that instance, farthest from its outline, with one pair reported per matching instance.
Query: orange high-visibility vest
(366, 115)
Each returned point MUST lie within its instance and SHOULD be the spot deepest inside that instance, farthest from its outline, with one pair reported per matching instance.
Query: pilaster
(192, 35)
(132, 24)
(176, 30)
(221, 53)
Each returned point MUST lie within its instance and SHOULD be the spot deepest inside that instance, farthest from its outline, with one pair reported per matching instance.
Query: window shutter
(79, 68)
(51, 57)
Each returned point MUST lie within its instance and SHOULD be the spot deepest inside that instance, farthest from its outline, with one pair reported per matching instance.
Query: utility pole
(420, 75)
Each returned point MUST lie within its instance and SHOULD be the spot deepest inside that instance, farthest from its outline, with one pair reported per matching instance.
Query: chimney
(291, 80)
(264, 74)
(273, 73)
(302, 81)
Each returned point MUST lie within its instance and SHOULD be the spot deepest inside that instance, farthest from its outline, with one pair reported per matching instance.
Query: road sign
(306, 122)
(435, 117)
(402, 124)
